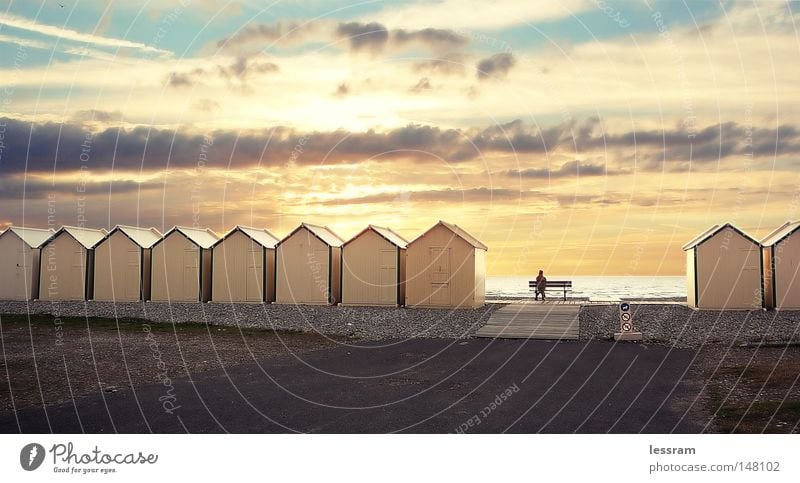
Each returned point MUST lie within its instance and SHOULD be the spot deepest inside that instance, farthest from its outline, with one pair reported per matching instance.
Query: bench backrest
(553, 283)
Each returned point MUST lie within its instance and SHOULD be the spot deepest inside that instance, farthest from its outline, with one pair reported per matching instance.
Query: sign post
(627, 331)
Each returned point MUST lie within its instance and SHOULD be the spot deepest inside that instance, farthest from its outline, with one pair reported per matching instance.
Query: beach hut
(122, 264)
(781, 261)
(723, 270)
(20, 256)
(373, 268)
(181, 265)
(67, 266)
(446, 268)
(244, 266)
(308, 266)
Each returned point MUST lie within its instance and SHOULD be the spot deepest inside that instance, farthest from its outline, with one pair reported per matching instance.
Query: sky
(582, 137)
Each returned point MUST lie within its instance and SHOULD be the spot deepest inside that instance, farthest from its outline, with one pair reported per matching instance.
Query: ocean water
(592, 287)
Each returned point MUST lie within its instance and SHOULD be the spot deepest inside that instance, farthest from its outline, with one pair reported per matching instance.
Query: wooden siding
(302, 269)
(117, 269)
(440, 271)
(238, 274)
(370, 271)
(729, 272)
(63, 269)
(690, 278)
(175, 270)
(19, 265)
(787, 278)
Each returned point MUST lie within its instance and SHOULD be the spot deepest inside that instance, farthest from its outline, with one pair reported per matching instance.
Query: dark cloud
(567, 170)
(370, 37)
(94, 115)
(207, 105)
(481, 194)
(341, 90)
(239, 70)
(496, 66)
(448, 64)
(424, 84)
(60, 147)
(436, 39)
(17, 188)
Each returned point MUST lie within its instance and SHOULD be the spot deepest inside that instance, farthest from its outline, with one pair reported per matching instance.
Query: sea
(592, 287)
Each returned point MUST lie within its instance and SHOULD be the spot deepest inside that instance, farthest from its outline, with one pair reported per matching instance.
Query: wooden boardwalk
(533, 321)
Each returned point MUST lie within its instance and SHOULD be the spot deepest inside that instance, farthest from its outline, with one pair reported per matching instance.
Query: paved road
(421, 385)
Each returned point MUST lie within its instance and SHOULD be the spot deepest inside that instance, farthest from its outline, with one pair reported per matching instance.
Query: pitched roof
(202, 237)
(324, 233)
(458, 231)
(780, 233)
(262, 236)
(699, 239)
(390, 235)
(33, 237)
(144, 237)
(88, 237)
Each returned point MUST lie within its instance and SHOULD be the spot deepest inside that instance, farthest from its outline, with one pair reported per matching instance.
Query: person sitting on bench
(541, 286)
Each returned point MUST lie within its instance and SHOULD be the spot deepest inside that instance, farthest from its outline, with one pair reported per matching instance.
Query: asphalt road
(419, 385)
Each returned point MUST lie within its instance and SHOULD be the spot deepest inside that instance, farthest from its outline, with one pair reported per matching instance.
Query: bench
(551, 284)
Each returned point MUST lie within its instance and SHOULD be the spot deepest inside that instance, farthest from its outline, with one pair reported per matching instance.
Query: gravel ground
(680, 326)
(366, 323)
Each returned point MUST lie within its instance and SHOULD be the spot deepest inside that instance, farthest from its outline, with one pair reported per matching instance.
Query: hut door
(18, 277)
(388, 276)
(77, 275)
(132, 275)
(255, 273)
(191, 273)
(440, 276)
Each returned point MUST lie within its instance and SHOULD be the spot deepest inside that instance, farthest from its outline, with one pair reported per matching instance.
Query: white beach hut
(122, 264)
(723, 270)
(181, 265)
(67, 266)
(244, 266)
(20, 256)
(781, 261)
(373, 268)
(446, 268)
(308, 266)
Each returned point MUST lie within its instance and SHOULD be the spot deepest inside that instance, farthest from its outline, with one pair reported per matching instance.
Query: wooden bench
(562, 284)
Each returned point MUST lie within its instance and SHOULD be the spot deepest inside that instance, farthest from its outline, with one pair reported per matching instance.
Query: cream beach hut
(446, 268)
(781, 261)
(244, 266)
(373, 268)
(20, 256)
(122, 264)
(67, 266)
(723, 270)
(308, 266)
(181, 265)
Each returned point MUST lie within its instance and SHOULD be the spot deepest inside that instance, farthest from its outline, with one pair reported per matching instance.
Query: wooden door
(440, 276)
(132, 275)
(255, 273)
(190, 289)
(387, 277)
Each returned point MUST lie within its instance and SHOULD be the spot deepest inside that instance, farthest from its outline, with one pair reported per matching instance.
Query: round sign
(626, 316)
(624, 306)
(626, 327)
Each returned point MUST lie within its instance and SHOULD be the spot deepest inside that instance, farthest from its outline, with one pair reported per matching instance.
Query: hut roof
(458, 231)
(702, 237)
(33, 237)
(88, 237)
(262, 236)
(387, 233)
(144, 237)
(780, 233)
(202, 237)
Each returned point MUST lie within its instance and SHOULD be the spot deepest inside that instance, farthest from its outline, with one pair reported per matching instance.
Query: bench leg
(565, 294)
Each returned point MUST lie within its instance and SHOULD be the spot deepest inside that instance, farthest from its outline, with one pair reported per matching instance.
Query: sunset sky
(582, 137)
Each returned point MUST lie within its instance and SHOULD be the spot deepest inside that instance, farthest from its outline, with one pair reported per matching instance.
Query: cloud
(370, 37)
(569, 169)
(16, 188)
(452, 63)
(364, 36)
(479, 194)
(341, 90)
(72, 35)
(206, 105)
(424, 84)
(56, 146)
(239, 70)
(496, 66)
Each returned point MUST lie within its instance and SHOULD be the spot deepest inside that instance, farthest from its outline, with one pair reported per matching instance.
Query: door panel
(132, 275)
(191, 274)
(440, 276)
(388, 276)
(254, 275)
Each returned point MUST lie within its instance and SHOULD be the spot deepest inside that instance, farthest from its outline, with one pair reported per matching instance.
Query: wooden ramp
(533, 321)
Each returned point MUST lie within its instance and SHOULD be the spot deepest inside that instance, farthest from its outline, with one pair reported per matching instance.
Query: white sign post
(627, 331)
